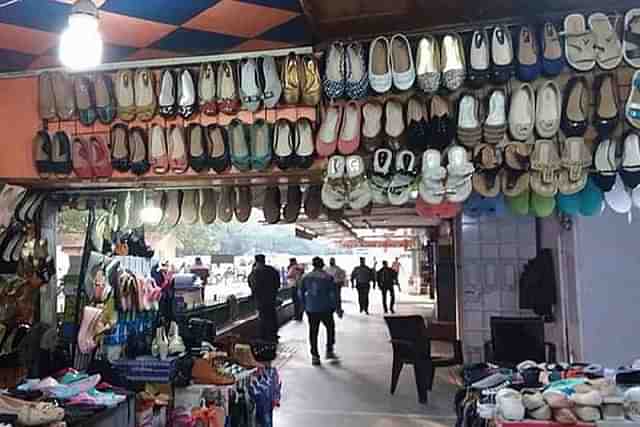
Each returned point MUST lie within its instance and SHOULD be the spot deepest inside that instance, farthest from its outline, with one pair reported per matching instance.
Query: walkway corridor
(355, 393)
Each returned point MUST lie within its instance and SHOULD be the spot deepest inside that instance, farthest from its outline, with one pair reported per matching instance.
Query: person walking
(340, 277)
(264, 282)
(320, 300)
(202, 271)
(387, 278)
(361, 277)
(294, 280)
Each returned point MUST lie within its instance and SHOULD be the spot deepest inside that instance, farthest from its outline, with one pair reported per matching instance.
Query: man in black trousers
(387, 278)
(362, 276)
(264, 282)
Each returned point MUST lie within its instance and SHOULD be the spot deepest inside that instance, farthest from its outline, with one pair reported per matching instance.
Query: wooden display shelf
(271, 176)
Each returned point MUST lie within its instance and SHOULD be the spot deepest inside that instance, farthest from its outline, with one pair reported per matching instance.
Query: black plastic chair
(411, 346)
(443, 333)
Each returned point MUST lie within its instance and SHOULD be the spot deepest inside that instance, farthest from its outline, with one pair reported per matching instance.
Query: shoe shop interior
(274, 213)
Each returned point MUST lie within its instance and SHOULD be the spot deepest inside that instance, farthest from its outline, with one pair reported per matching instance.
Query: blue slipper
(529, 66)
(591, 199)
(551, 50)
(478, 205)
(568, 205)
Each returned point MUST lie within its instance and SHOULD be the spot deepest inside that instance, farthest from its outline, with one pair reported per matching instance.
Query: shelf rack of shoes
(622, 75)
(181, 168)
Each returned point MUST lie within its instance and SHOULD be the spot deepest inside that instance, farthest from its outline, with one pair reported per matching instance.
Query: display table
(123, 415)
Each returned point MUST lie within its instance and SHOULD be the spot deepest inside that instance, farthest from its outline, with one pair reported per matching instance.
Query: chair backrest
(409, 335)
(515, 339)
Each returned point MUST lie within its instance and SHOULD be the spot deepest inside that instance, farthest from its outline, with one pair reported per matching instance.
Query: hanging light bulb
(81, 43)
(150, 213)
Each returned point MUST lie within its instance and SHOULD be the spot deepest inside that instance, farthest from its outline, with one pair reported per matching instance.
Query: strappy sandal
(515, 177)
(404, 178)
(580, 43)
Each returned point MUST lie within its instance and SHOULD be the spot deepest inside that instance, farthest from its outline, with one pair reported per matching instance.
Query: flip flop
(431, 186)
(402, 182)
(608, 45)
(579, 43)
(618, 197)
(487, 161)
(575, 161)
(631, 42)
(520, 204)
(459, 172)
(545, 163)
(515, 176)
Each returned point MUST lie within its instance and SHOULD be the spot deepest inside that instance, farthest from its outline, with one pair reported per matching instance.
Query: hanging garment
(538, 284)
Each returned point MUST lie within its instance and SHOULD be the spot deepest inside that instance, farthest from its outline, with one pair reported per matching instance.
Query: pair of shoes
(496, 63)
(391, 63)
(346, 183)
(56, 96)
(200, 148)
(598, 44)
(301, 80)
(259, 83)
(527, 112)
(135, 94)
(392, 184)
(293, 144)
(453, 183)
(340, 129)
(52, 156)
(178, 94)
(345, 72)
(204, 372)
(217, 91)
(391, 115)
(94, 99)
(129, 149)
(91, 158)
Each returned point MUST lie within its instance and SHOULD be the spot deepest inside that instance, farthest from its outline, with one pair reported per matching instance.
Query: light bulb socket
(85, 7)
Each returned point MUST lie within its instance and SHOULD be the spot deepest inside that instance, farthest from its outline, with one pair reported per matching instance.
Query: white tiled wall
(493, 253)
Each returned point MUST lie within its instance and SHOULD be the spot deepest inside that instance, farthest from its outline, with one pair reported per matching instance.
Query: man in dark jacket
(264, 282)
(320, 299)
(387, 278)
(362, 276)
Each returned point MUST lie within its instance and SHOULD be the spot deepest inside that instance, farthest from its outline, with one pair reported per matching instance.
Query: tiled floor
(355, 392)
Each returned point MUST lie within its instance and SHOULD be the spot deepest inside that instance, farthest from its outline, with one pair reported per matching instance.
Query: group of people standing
(318, 293)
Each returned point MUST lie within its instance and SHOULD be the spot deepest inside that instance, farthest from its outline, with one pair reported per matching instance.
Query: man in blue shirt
(320, 299)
